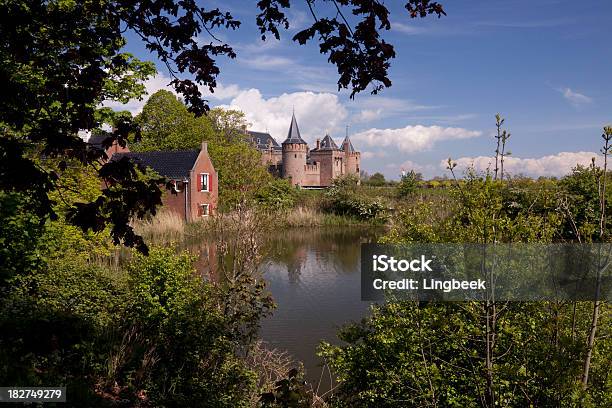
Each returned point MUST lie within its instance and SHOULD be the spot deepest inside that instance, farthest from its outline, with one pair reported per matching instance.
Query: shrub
(408, 184)
(183, 348)
(344, 199)
(278, 194)
(376, 180)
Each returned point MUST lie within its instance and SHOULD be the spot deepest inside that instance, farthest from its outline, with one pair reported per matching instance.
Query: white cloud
(395, 171)
(298, 20)
(410, 165)
(575, 98)
(373, 155)
(161, 81)
(316, 113)
(266, 62)
(409, 29)
(257, 47)
(223, 92)
(368, 115)
(553, 165)
(152, 85)
(412, 139)
(317, 87)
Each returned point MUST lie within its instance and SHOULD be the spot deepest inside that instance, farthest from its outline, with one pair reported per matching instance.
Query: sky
(544, 65)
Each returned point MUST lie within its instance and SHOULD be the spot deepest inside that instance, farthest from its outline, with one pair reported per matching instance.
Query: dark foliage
(289, 392)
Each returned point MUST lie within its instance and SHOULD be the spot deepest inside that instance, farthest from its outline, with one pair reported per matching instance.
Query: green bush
(408, 184)
(278, 194)
(344, 198)
(152, 334)
(56, 326)
(376, 180)
(184, 333)
(20, 232)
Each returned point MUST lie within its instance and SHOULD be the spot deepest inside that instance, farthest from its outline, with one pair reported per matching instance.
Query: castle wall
(353, 162)
(323, 159)
(339, 165)
(331, 163)
(294, 162)
(271, 157)
(312, 175)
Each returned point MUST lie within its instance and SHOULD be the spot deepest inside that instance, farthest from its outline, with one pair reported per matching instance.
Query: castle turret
(330, 158)
(295, 150)
(351, 156)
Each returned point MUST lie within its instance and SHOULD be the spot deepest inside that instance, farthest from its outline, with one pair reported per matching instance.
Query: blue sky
(545, 65)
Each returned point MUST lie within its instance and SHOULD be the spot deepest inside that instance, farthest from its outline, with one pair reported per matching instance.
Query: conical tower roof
(347, 145)
(294, 133)
(328, 144)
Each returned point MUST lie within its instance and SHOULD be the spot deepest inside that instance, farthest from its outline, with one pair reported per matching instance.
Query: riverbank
(170, 227)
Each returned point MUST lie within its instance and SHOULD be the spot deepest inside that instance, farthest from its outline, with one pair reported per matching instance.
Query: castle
(306, 167)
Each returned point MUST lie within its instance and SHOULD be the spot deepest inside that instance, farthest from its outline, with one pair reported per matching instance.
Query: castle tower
(330, 158)
(295, 151)
(351, 156)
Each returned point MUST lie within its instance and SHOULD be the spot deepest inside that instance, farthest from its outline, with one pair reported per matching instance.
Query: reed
(308, 217)
(166, 226)
(302, 217)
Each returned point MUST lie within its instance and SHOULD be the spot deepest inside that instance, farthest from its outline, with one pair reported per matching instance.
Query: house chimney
(318, 143)
(204, 146)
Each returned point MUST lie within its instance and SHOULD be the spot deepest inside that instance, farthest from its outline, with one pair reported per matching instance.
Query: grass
(308, 217)
(166, 226)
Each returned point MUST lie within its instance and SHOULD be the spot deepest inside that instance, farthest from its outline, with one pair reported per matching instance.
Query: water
(314, 277)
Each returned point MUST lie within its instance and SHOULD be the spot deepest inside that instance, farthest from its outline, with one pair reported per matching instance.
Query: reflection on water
(314, 277)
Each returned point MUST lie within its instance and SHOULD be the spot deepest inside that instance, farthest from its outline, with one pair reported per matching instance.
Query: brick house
(193, 174)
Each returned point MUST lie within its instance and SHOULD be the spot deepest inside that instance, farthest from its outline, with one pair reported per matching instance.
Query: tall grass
(308, 217)
(166, 226)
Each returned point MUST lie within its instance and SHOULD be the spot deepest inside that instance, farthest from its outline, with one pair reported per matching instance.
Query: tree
(230, 125)
(408, 184)
(377, 179)
(241, 173)
(607, 137)
(166, 124)
(61, 59)
(501, 137)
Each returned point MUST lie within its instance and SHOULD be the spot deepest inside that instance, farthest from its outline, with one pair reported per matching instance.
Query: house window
(204, 210)
(204, 182)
